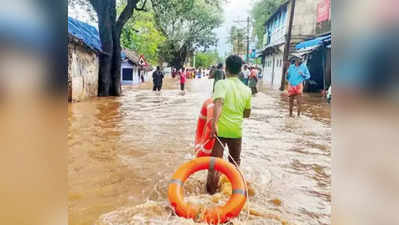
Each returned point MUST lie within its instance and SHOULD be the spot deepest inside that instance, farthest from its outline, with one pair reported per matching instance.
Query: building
(84, 47)
(133, 68)
(317, 50)
(276, 27)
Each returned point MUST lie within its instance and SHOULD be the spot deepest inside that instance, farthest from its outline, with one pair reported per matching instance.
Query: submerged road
(123, 151)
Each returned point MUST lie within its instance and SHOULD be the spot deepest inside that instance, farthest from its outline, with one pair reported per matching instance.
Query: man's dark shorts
(234, 145)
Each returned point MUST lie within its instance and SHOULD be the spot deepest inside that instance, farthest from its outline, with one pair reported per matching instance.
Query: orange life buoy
(203, 141)
(216, 215)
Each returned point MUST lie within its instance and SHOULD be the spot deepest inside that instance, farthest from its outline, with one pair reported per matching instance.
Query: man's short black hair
(234, 64)
(220, 65)
(158, 68)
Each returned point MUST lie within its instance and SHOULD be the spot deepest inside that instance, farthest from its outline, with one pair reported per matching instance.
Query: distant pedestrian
(253, 80)
(296, 74)
(232, 101)
(218, 74)
(245, 75)
(142, 75)
(157, 77)
(174, 73)
(211, 72)
(182, 79)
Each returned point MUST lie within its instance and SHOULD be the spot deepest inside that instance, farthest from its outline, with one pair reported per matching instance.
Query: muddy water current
(123, 152)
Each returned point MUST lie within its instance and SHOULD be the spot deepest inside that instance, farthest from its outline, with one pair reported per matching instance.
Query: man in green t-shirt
(232, 101)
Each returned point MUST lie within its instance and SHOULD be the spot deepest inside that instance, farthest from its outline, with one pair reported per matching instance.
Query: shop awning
(314, 42)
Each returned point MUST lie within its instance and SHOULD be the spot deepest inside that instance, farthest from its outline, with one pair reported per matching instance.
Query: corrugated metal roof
(314, 42)
(85, 32)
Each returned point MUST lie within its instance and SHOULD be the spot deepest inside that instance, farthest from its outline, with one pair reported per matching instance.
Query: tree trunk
(109, 82)
(105, 24)
(116, 66)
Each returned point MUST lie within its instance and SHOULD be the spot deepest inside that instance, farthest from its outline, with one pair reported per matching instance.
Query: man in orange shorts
(296, 74)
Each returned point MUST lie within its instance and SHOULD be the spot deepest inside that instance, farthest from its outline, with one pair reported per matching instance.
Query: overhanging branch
(126, 14)
(142, 7)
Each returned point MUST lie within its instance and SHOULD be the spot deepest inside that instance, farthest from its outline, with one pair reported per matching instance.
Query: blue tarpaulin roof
(314, 42)
(85, 32)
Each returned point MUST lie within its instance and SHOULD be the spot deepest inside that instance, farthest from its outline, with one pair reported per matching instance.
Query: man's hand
(213, 129)
(247, 113)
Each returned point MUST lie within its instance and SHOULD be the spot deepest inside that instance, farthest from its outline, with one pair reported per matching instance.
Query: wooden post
(287, 45)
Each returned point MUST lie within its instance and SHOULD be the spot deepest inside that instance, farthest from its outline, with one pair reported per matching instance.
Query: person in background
(253, 80)
(218, 74)
(232, 101)
(296, 74)
(211, 72)
(157, 77)
(260, 75)
(174, 72)
(182, 78)
(245, 74)
(142, 75)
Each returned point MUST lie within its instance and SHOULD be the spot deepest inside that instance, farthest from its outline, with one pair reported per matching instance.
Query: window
(127, 74)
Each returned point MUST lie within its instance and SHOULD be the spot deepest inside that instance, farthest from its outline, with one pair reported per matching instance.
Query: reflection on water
(123, 151)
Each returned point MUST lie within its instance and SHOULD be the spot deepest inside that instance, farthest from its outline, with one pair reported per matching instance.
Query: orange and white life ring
(203, 141)
(215, 215)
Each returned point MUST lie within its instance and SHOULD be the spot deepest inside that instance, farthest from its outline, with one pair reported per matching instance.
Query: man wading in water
(296, 74)
(217, 75)
(157, 77)
(232, 101)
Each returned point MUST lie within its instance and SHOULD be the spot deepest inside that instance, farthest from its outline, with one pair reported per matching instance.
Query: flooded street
(123, 152)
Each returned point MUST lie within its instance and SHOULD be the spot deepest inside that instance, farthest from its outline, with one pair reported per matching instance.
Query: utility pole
(247, 39)
(246, 21)
(287, 45)
(194, 59)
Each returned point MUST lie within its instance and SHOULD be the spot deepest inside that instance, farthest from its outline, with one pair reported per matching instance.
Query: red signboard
(323, 11)
(142, 61)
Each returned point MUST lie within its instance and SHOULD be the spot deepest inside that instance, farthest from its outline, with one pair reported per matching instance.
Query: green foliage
(141, 35)
(261, 12)
(187, 25)
(206, 59)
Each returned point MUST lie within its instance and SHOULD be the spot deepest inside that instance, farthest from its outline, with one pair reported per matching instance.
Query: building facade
(84, 48)
(134, 68)
(276, 29)
(317, 51)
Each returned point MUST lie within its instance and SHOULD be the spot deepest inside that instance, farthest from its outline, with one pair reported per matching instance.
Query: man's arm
(306, 73)
(247, 110)
(217, 111)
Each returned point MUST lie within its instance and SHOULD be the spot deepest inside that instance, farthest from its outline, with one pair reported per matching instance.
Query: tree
(237, 39)
(141, 35)
(206, 59)
(261, 12)
(187, 25)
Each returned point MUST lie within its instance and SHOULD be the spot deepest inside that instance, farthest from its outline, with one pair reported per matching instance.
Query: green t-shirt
(236, 97)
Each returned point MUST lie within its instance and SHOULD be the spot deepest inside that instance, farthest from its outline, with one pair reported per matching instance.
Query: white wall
(136, 78)
(273, 70)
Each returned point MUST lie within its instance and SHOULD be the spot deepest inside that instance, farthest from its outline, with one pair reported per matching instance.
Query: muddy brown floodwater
(123, 151)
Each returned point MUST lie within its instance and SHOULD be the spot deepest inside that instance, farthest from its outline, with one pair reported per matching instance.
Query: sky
(233, 10)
